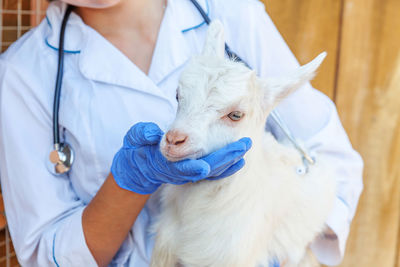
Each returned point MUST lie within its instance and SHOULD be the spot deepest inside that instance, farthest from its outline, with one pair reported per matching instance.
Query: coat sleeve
(43, 211)
(310, 115)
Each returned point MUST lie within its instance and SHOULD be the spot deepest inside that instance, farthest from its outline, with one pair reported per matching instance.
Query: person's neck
(132, 26)
(141, 16)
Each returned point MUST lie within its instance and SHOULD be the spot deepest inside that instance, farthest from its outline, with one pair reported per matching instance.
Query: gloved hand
(139, 165)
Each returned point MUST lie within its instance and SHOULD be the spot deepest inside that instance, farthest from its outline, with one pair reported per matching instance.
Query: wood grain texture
(310, 27)
(368, 99)
(398, 251)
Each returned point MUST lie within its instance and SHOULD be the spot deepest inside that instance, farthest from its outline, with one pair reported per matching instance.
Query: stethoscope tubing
(59, 78)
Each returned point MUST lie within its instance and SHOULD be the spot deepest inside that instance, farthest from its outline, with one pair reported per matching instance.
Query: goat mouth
(178, 157)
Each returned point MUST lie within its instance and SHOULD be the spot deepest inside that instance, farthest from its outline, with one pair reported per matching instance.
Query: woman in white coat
(122, 64)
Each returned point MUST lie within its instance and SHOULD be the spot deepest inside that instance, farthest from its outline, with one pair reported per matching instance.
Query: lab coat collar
(98, 57)
(172, 49)
(101, 61)
(74, 33)
(190, 17)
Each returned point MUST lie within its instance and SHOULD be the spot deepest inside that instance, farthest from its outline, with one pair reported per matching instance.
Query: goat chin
(265, 211)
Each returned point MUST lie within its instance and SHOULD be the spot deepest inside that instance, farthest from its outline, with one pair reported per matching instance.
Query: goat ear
(276, 89)
(215, 40)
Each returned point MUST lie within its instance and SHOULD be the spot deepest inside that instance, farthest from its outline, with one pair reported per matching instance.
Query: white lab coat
(103, 94)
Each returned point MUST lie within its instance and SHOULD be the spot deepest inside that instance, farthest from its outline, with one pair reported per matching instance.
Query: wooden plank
(3, 221)
(398, 249)
(310, 27)
(368, 100)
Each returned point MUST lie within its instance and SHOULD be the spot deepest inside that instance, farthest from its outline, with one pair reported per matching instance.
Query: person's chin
(93, 3)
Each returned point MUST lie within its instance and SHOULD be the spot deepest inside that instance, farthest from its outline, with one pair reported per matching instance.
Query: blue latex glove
(139, 165)
(275, 264)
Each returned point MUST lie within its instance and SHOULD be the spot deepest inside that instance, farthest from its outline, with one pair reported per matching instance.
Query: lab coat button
(301, 170)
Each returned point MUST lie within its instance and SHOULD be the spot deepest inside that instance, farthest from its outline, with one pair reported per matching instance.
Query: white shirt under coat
(104, 94)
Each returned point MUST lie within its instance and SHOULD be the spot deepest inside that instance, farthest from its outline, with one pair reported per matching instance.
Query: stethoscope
(63, 156)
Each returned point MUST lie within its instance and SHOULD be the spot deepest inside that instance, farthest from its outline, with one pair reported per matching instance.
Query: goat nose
(175, 138)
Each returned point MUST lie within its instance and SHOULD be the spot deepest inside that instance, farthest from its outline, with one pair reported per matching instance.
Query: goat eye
(235, 115)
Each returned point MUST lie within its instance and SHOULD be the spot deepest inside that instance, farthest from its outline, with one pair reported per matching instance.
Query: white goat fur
(263, 212)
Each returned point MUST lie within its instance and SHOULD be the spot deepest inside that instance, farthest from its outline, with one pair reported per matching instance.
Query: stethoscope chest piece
(62, 157)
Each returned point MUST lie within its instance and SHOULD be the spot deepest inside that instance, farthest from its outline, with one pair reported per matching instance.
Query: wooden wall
(362, 75)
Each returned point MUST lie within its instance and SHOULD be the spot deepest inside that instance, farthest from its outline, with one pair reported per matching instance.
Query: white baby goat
(263, 212)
